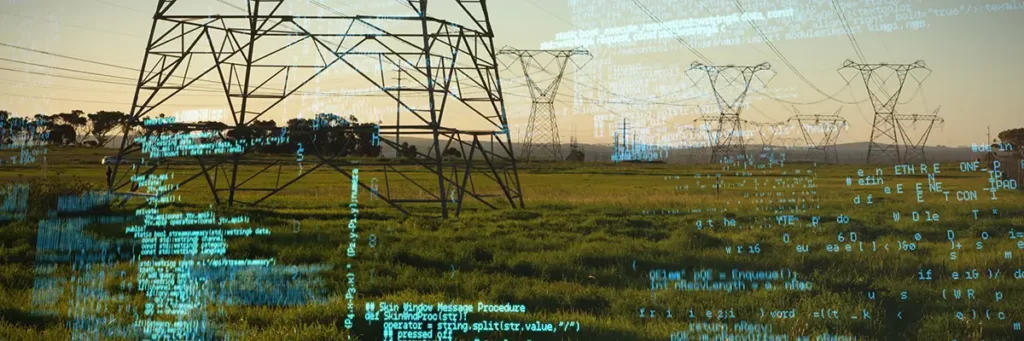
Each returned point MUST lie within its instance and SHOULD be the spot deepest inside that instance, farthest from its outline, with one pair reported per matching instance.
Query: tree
(103, 122)
(62, 134)
(451, 152)
(365, 145)
(16, 127)
(408, 151)
(218, 128)
(38, 128)
(76, 119)
(1014, 137)
(5, 126)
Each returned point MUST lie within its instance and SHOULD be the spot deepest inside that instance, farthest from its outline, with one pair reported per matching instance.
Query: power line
(678, 39)
(66, 69)
(195, 88)
(62, 76)
(36, 85)
(123, 6)
(325, 7)
(781, 56)
(599, 88)
(549, 12)
(68, 57)
(829, 98)
(849, 31)
(25, 17)
(91, 73)
(233, 6)
(85, 100)
(853, 41)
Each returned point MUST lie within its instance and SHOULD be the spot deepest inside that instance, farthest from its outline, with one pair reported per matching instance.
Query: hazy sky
(975, 60)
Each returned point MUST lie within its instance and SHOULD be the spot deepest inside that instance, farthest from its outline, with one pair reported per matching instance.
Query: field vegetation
(570, 254)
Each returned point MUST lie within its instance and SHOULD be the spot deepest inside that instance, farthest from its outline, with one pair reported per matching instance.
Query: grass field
(569, 255)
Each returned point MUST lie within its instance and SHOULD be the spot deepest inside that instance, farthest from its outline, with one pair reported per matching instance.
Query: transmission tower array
(542, 140)
(829, 126)
(726, 138)
(886, 127)
(251, 53)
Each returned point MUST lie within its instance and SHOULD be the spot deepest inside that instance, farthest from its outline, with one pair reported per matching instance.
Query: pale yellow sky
(974, 58)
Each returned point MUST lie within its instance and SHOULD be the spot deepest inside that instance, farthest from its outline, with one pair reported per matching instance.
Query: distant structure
(725, 132)
(887, 128)
(770, 133)
(634, 151)
(575, 152)
(542, 141)
(620, 149)
(826, 128)
(914, 150)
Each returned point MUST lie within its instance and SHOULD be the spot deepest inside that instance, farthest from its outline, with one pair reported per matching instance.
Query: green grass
(569, 255)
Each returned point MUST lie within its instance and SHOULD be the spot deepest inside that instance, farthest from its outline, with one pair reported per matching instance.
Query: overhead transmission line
(849, 31)
(599, 88)
(88, 101)
(676, 36)
(63, 76)
(694, 51)
(67, 57)
(66, 69)
(25, 17)
(785, 60)
(122, 6)
(196, 89)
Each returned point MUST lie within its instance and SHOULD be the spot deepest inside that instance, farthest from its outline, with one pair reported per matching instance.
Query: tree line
(329, 134)
(64, 129)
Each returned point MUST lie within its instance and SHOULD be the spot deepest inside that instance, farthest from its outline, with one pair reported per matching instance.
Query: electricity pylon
(726, 138)
(257, 54)
(885, 127)
(829, 126)
(542, 140)
(769, 132)
(915, 150)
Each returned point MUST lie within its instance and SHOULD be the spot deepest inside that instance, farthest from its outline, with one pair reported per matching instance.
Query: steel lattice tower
(769, 132)
(726, 139)
(447, 63)
(830, 126)
(915, 150)
(542, 140)
(885, 127)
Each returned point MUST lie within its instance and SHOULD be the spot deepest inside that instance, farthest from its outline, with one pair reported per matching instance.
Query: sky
(974, 58)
